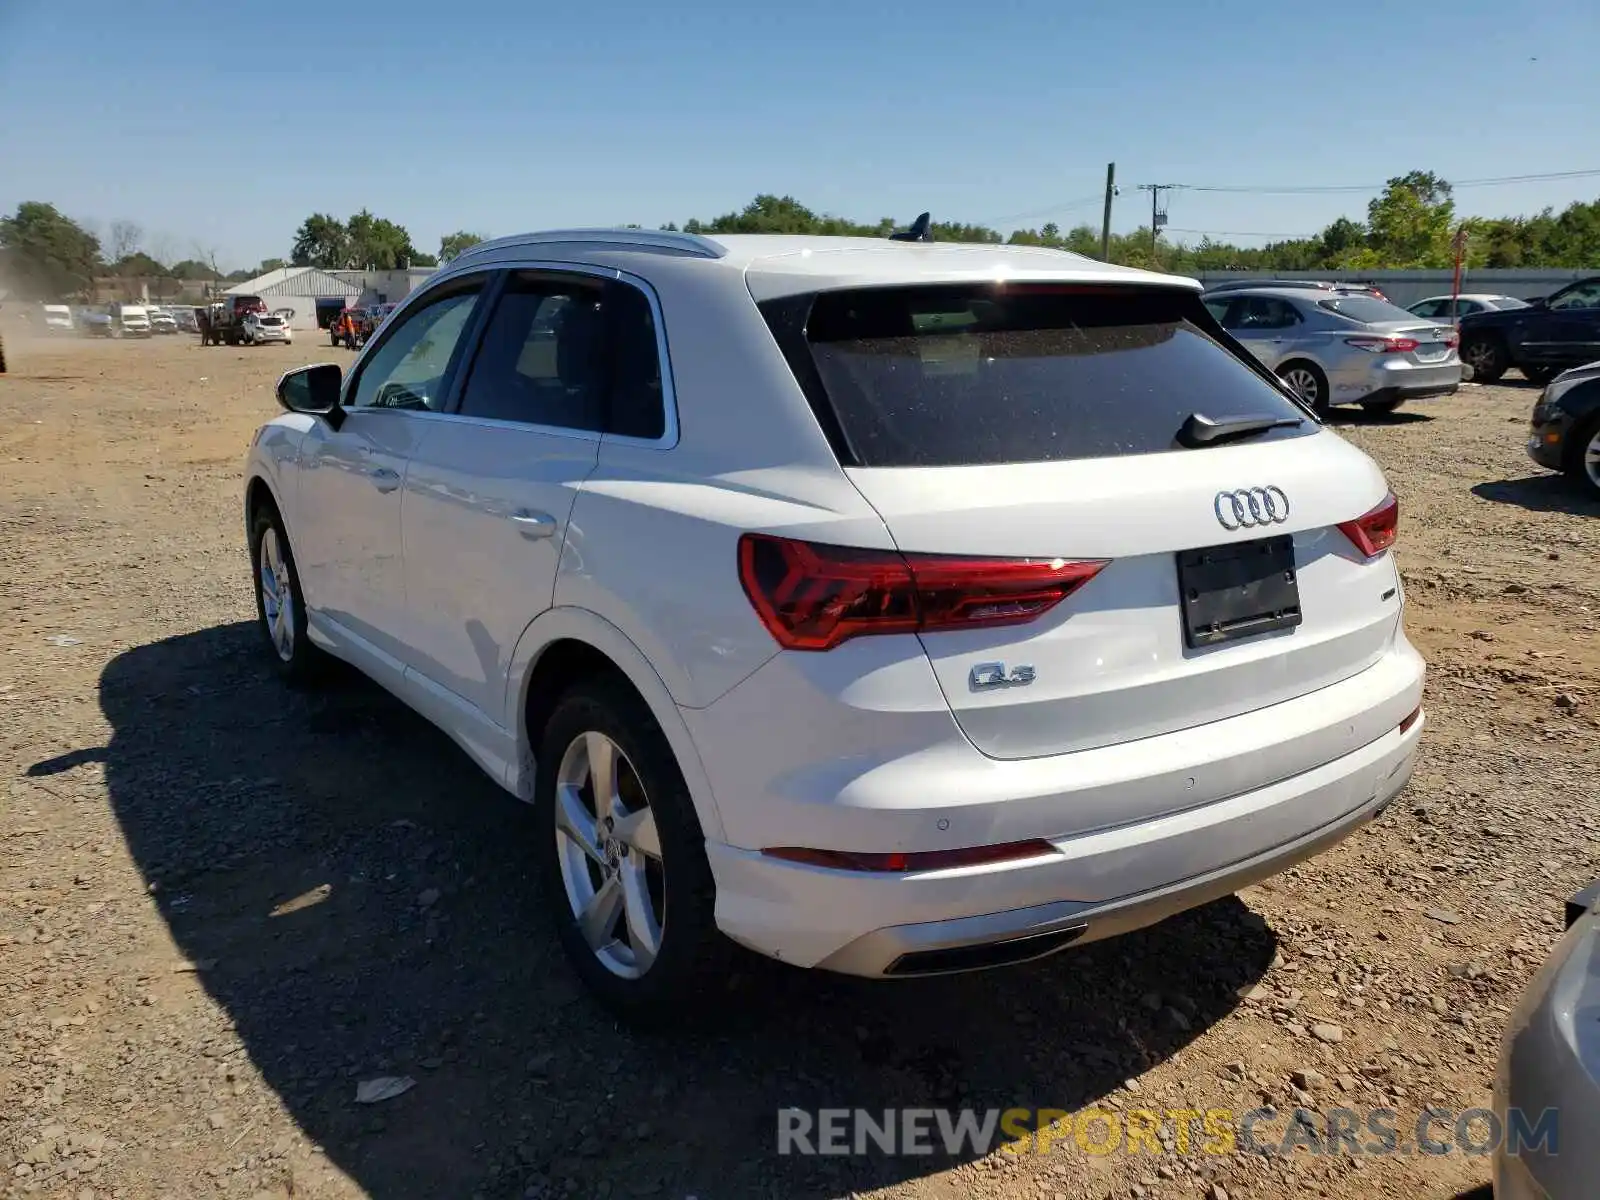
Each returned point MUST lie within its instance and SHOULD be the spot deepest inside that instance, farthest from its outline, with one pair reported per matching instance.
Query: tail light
(812, 597)
(1452, 338)
(916, 860)
(1374, 532)
(1383, 345)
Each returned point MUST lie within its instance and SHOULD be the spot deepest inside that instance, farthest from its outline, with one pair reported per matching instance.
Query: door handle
(384, 479)
(533, 524)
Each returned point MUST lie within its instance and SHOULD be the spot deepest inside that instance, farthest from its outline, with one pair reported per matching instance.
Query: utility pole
(1105, 223)
(1158, 217)
(1460, 247)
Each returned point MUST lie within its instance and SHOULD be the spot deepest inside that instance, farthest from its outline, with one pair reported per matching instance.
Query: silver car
(1447, 308)
(1547, 1087)
(1336, 348)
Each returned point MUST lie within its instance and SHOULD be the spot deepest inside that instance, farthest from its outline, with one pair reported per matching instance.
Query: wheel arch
(258, 492)
(1585, 426)
(563, 645)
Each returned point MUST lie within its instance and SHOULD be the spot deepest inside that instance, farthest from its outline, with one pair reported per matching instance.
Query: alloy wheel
(1304, 383)
(1591, 460)
(277, 595)
(1479, 355)
(609, 850)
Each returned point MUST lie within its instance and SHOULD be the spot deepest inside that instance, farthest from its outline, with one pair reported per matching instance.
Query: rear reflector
(1411, 720)
(920, 860)
(812, 597)
(1375, 531)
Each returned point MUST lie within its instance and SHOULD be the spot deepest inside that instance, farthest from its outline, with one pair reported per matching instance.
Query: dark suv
(226, 323)
(1559, 331)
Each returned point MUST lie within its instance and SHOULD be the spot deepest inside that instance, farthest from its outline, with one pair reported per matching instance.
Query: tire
(1582, 464)
(1306, 379)
(1487, 357)
(663, 900)
(290, 651)
(1383, 406)
(1539, 376)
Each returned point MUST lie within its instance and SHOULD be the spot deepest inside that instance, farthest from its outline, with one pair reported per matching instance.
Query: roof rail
(644, 239)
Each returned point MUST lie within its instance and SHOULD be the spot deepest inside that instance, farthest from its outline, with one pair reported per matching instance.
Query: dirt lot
(223, 905)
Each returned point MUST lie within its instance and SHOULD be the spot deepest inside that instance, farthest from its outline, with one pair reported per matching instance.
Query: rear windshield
(982, 374)
(1507, 302)
(1369, 310)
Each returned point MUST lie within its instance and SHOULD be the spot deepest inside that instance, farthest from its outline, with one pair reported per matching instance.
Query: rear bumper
(1389, 376)
(1105, 879)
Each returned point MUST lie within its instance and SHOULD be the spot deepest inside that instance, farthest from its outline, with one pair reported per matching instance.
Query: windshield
(1366, 309)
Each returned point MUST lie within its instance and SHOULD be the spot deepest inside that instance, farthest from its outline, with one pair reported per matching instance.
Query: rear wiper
(1200, 430)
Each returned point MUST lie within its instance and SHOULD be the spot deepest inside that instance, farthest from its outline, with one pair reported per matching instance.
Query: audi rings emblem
(1249, 508)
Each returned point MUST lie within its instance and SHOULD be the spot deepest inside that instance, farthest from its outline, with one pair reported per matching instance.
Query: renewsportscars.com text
(1215, 1131)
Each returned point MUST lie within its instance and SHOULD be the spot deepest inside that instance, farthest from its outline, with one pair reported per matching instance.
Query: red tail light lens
(1374, 532)
(1452, 338)
(1383, 345)
(916, 860)
(812, 597)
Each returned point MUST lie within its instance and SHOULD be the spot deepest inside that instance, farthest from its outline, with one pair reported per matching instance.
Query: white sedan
(263, 327)
(1446, 308)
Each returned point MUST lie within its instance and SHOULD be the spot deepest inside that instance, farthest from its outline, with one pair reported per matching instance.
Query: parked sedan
(1452, 308)
(1565, 427)
(1336, 348)
(1547, 336)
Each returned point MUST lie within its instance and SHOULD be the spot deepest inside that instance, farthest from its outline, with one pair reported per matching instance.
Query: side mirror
(314, 390)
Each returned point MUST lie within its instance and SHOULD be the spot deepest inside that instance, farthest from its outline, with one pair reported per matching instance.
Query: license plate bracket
(1238, 591)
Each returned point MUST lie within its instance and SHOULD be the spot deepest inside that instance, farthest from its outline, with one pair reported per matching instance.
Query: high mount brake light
(812, 597)
(1374, 532)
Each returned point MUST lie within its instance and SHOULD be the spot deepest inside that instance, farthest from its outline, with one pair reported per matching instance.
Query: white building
(305, 290)
(385, 287)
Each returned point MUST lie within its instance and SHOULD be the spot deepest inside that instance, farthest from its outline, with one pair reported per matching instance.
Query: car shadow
(1539, 493)
(1344, 414)
(357, 898)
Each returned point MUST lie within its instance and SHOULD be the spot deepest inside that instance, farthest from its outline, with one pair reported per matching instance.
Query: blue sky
(222, 125)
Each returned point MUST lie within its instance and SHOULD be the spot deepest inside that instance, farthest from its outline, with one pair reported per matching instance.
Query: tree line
(1412, 223)
(46, 255)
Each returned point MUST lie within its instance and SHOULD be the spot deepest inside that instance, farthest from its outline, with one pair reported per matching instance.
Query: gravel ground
(223, 906)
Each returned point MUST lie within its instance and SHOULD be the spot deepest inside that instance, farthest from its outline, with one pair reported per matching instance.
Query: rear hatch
(1065, 424)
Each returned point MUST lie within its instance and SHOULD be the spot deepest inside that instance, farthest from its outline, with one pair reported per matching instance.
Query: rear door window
(980, 374)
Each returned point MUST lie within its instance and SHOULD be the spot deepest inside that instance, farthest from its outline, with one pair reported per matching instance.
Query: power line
(1242, 233)
(1064, 206)
(1346, 188)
